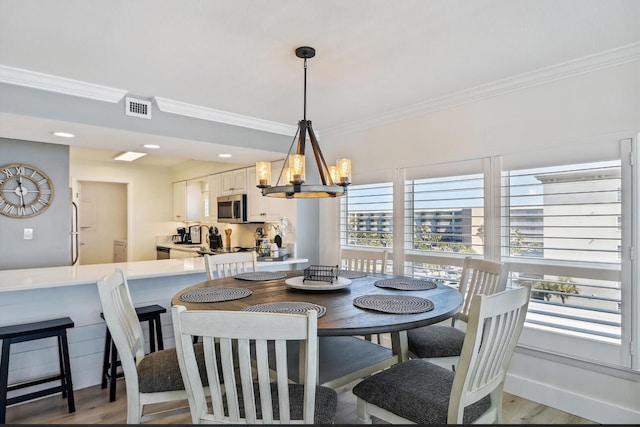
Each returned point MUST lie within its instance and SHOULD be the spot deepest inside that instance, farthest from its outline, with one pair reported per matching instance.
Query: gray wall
(51, 243)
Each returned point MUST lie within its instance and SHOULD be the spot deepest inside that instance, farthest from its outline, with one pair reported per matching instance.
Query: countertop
(50, 277)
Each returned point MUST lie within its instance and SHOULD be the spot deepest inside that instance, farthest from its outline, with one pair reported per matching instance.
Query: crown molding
(204, 113)
(51, 83)
(587, 64)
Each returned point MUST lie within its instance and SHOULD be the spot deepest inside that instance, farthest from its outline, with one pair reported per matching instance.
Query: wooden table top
(342, 316)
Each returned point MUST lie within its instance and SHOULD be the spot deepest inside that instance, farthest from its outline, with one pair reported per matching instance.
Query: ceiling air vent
(137, 108)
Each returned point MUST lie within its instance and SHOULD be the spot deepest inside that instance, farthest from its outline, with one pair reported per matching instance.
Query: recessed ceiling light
(63, 134)
(224, 155)
(153, 146)
(129, 156)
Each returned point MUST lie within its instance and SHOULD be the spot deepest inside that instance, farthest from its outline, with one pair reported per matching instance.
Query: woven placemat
(396, 304)
(214, 294)
(349, 274)
(406, 284)
(261, 275)
(291, 307)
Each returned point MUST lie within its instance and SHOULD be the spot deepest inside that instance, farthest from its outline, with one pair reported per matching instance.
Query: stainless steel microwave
(232, 208)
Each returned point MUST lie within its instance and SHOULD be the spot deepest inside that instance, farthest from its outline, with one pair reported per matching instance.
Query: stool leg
(4, 378)
(67, 369)
(159, 333)
(152, 336)
(113, 374)
(63, 378)
(105, 359)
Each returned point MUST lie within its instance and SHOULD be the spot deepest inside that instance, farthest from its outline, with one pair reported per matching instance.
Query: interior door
(102, 218)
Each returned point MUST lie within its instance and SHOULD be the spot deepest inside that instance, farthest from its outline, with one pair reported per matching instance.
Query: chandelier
(291, 182)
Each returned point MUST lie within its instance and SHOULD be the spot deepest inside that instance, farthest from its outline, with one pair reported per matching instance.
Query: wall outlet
(28, 233)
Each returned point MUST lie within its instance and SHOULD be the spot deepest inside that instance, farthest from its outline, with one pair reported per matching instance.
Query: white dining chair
(417, 391)
(442, 344)
(150, 379)
(254, 390)
(365, 261)
(230, 264)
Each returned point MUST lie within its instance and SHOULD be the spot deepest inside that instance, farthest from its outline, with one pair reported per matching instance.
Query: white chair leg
(363, 415)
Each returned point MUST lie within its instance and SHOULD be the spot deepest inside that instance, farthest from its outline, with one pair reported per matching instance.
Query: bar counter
(34, 294)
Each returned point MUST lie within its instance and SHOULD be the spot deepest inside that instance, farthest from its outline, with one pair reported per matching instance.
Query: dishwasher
(162, 252)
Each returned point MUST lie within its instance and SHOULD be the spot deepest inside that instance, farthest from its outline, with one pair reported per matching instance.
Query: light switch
(28, 233)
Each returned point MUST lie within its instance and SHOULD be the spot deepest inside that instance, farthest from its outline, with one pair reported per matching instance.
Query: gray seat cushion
(435, 341)
(416, 390)
(159, 371)
(325, 407)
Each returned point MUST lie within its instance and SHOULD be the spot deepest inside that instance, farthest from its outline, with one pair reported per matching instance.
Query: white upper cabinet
(214, 192)
(188, 200)
(233, 182)
(261, 208)
(180, 201)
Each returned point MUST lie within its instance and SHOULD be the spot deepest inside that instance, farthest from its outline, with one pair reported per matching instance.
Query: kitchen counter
(50, 277)
(34, 294)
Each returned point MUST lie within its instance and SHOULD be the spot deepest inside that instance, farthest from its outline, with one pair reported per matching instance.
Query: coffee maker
(215, 239)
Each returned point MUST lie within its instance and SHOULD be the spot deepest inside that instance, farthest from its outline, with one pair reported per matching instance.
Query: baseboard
(573, 403)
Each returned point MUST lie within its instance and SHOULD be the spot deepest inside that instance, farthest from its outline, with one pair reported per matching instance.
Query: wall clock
(25, 191)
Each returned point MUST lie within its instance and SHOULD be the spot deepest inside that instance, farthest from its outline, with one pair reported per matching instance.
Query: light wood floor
(93, 407)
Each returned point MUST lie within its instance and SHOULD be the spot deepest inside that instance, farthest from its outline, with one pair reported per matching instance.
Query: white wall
(603, 103)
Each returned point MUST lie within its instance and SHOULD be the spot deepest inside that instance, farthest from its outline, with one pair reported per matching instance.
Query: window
(562, 219)
(562, 232)
(366, 218)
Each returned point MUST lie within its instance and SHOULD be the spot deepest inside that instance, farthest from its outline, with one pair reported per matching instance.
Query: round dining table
(342, 320)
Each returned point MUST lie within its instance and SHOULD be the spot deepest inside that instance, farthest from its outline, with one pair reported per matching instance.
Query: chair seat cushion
(416, 390)
(325, 407)
(435, 341)
(160, 371)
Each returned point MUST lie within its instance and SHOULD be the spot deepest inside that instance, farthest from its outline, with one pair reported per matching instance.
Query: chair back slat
(248, 361)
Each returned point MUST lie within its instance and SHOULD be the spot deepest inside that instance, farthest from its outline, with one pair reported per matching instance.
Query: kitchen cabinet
(233, 182)
(180, 201)
(259, 207)
(214, 192)
(188, 200)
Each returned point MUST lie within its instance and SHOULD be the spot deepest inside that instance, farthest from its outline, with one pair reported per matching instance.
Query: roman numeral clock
(25, 191)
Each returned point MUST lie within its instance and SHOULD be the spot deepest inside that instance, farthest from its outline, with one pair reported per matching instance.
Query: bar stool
(148, 313)
(34, 331)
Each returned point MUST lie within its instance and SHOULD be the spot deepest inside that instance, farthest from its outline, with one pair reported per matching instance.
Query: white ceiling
(375, 58)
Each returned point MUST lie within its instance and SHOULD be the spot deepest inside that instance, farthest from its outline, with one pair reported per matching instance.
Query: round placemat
(214, 294)
(261, 275)
(396, 304)
(291, 307)
(406, 284)
(349, 274)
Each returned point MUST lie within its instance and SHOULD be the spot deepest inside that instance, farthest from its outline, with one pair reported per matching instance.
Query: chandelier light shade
(291, 182)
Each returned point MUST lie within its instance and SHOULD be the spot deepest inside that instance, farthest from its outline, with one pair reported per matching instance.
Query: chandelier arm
(302, 135)
(323, 169)
(286, 160)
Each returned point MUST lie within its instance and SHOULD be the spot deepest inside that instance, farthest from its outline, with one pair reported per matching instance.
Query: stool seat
(13, 334)
(147, 313)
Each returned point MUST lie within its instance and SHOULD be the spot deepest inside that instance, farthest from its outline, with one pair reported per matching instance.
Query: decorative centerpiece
(321, 273)
(281, 231)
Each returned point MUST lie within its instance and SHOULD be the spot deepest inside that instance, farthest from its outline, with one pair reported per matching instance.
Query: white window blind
(443, 216)
(366, 216)
(562, 229)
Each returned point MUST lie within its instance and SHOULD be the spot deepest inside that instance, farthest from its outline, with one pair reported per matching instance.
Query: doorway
(102, 220)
